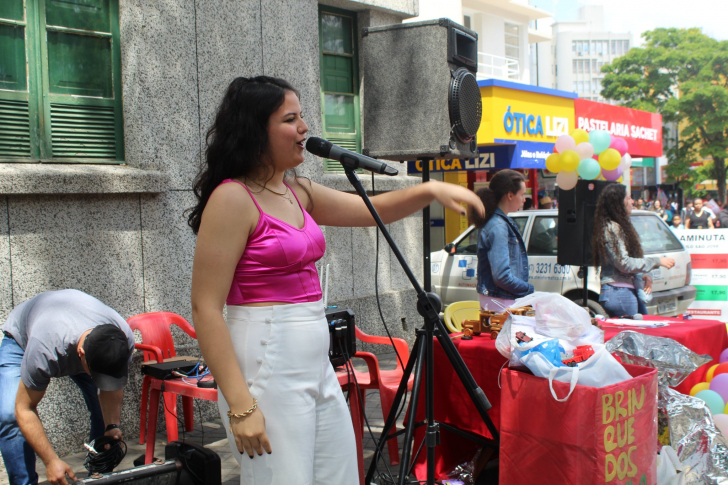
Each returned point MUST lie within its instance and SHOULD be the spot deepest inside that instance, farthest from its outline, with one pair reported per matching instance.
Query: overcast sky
(637, 16)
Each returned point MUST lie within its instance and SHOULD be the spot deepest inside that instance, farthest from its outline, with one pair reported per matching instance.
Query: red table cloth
(453, 406)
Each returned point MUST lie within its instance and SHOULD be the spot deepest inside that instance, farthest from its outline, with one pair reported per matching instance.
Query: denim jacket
(619, 267)
(502, 259)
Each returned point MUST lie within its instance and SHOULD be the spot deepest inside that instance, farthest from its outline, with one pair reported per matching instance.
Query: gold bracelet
(232, 415)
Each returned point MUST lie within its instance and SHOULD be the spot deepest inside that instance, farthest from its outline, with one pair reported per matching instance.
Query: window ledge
(44, 178)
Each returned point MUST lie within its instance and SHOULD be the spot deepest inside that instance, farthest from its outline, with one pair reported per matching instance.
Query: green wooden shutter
(14, 94)
(339, 85)
(81, 60)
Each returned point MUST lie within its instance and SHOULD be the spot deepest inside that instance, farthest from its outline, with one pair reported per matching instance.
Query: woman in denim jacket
(502, 258)
(617, 248)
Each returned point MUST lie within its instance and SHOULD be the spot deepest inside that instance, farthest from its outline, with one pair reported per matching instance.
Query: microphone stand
(429, 306)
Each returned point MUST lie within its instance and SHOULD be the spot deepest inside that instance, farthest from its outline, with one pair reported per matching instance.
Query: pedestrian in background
(617, 248)
(502, 257)
(676, 223)
(699, 217)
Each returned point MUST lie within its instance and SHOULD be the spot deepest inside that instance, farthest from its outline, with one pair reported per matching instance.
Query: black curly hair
(610, 207)
(238, 138)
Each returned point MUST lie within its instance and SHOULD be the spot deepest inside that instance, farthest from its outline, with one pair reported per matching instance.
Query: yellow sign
(528, 114)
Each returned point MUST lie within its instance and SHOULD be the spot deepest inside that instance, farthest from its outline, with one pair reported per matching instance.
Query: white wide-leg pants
(283, 353)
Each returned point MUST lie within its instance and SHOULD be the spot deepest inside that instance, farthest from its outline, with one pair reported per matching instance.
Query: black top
(699, 222)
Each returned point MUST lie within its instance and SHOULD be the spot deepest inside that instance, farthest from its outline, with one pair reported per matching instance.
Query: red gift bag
(599, 435)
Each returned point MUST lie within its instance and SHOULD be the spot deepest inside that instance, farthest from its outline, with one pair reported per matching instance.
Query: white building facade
(577, 52)
(504, 32)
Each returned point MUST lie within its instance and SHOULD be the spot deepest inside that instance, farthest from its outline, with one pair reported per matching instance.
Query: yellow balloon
(709, 375)
(702, 386)
(553, 164)
(620, 179)
(579, 135)
(569, 160)
(726, 409)
(609, 159)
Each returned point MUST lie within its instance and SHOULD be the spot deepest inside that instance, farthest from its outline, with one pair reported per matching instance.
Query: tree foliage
(683, 75)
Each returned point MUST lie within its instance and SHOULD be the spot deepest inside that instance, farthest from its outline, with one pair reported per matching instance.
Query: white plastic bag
(557, 316)
(599, 370)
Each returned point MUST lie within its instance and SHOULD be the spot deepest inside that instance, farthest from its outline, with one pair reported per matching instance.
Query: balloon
(565, 142)
(585, 150)
(721, 422)
(619, 144)
(600, 140)
(588, 169)
(609, 159)
(721, 369)
(579, 136)
(553, 164)
(723, 356)
(713, 400)
(711, 371)
(612, 174)
(569, 160)
(719, 384)
(620, 179)
(701, 386)
(627, 160)
(566, 180)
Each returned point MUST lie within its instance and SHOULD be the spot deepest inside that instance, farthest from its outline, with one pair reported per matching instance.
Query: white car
(454, 268)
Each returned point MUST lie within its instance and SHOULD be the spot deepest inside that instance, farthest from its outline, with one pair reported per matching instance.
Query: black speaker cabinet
(420, 95)
(576, 222)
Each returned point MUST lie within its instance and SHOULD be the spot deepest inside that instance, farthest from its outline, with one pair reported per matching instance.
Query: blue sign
(529, 154)
(491, 157)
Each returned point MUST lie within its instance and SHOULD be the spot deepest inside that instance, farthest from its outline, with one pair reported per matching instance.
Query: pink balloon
(585, 150)
(565, 142)
(619, 144)
(612, 174)
(719, 384)
(723, 356)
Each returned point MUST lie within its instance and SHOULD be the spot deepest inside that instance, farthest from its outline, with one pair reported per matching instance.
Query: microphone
(326, 149)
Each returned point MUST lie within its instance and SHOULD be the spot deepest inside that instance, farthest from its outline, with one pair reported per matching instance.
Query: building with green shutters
(104, 106)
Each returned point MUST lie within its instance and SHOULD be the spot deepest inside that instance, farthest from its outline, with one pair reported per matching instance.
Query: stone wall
(119, 233)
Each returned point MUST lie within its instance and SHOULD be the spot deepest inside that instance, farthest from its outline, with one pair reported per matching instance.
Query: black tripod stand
(429, 306)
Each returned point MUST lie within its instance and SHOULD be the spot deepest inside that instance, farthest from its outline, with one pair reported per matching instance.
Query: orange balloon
(721, 369)
(711, 372)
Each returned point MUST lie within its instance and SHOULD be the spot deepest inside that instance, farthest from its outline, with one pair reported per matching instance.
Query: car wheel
(593, 307)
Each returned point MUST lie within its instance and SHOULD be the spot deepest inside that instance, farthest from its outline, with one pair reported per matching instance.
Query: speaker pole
(426, 231)
(585, 273)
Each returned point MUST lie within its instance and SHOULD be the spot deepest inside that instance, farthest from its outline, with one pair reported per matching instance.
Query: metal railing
(492, 66)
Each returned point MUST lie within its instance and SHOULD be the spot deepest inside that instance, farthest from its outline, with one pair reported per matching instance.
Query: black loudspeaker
(576, 222)
(420, 95)
(342, 336)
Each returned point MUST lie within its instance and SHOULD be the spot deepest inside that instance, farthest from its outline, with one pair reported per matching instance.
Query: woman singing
(258, 238)
(618, 250)
(502, 258)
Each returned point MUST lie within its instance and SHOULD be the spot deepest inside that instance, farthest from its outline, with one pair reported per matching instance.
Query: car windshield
(654, 235)
(469, 244)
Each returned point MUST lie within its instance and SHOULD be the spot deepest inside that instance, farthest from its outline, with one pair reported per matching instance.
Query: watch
(110, 427)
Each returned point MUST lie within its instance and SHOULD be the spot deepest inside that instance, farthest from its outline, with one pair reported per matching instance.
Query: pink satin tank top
(278, 261)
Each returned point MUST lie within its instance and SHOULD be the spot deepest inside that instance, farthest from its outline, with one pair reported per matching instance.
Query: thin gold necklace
(286, 195)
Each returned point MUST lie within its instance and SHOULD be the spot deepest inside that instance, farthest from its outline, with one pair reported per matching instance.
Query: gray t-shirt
(48, 327)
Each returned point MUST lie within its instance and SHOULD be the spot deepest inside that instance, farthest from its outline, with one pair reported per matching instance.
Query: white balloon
(567, 180)
(626, 160)
(721, 422)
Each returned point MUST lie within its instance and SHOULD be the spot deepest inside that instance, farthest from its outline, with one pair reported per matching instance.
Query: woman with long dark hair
(258, 238)
(502, 257)
(617, 249)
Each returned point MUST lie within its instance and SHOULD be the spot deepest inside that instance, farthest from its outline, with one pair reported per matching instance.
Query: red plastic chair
(385, 381)
(158, 345)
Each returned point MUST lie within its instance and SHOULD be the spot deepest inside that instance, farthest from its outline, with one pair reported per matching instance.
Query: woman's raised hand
(249, 433)
(667, 262)
(451, 196)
